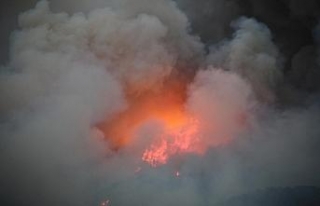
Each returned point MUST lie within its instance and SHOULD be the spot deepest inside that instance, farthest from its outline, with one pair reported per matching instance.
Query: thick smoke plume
(89, 85)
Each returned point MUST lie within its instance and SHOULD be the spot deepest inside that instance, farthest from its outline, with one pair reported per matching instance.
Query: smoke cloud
(76, 67)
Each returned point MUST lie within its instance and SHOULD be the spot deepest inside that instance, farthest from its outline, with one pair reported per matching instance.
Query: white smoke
(251, 54)
(68, 71)
(223, 100)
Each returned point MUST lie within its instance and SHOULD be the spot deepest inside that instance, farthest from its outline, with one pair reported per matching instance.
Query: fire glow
(179, 133)
(175, 140)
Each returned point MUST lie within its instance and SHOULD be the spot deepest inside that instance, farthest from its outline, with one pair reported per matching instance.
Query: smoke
(74, 65)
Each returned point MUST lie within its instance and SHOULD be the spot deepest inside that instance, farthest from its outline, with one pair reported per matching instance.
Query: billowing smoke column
(125, 105)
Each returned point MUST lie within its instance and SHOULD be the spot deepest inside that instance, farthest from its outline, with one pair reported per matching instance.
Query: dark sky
(9, 11)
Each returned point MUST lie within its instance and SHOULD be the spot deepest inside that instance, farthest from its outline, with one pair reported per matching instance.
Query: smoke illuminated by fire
(133, 102)
(179, 131)
(174, 129)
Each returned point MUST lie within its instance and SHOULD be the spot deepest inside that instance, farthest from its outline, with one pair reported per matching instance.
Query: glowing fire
(180, 131)
(178, 139)
(166, 105)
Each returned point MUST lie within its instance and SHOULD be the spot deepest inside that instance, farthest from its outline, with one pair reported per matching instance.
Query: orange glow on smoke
(166, 106)
(180, 132)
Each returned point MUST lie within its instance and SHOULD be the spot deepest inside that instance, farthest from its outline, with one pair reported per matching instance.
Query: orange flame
(165, 104)
(179, 139)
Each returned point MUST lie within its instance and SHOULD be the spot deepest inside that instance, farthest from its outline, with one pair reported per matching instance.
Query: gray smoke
(72, 63)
